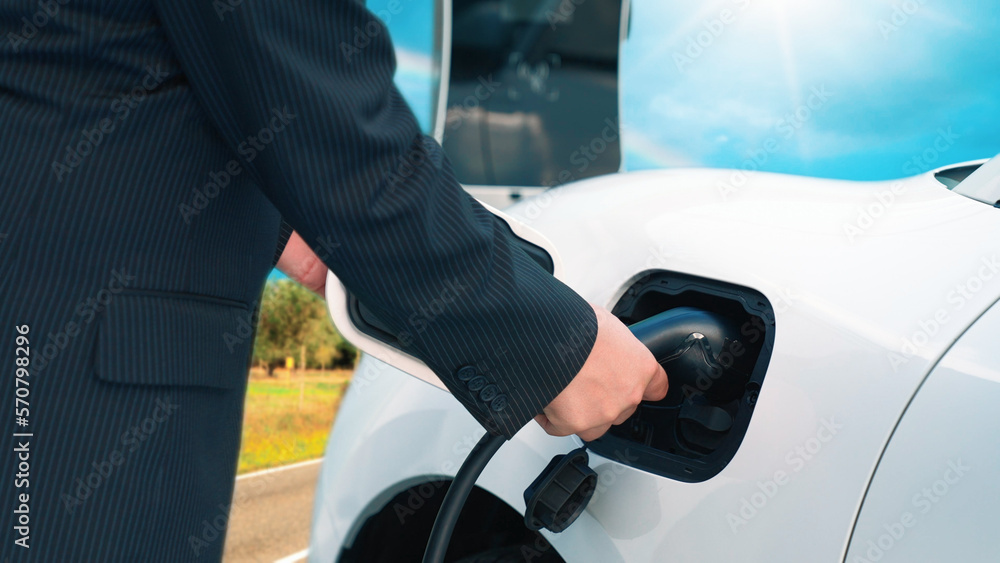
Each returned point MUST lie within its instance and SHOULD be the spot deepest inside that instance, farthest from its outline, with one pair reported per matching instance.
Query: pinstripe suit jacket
(152, 153)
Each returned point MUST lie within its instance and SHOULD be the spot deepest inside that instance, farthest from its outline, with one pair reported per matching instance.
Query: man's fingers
(549, 428)
(587, 435)
(625, 415)
(593, 433)
(543, 421)
(618, 374)
(656, 390)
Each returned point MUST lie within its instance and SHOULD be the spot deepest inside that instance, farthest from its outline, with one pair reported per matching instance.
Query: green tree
(292, 317)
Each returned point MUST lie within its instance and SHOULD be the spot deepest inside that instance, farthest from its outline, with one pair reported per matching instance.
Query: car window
(533, 94)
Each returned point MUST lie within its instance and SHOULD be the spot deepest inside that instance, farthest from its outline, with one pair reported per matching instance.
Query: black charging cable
(561, 492)
(458, 492)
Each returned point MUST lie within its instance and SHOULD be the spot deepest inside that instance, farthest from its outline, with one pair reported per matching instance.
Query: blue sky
(853, 89)
(899, 74)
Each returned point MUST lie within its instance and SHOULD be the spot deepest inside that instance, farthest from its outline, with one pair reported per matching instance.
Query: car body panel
(848, 293)
(934, 496)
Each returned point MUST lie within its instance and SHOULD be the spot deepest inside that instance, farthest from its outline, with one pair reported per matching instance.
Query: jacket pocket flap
(174, 339)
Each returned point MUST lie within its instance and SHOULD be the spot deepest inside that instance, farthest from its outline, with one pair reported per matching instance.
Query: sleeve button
(499, 403)
(488, 393)
(476, 383)
(466, 373)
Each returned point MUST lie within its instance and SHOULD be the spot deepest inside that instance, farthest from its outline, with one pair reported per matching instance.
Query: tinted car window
(533, 95)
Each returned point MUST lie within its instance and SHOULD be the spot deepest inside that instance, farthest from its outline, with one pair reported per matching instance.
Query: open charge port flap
(714, 339)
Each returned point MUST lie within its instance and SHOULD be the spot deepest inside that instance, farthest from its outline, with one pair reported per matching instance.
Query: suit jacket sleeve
(303, 92)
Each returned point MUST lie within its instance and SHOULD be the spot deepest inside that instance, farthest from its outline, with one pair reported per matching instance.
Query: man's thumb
(656, 390)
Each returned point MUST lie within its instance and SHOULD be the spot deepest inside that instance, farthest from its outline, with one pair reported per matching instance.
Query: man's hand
(619, 373)
(300, 263)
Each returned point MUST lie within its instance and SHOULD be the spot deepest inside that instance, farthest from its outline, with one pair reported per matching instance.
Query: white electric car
(861, 421)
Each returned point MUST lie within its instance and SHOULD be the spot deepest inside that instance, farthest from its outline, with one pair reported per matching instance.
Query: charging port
(714, 339)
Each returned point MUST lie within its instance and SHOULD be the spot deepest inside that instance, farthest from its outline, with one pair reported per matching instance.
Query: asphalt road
(271, 514)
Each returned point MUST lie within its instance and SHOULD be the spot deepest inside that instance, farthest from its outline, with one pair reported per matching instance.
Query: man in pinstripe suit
(155, 156)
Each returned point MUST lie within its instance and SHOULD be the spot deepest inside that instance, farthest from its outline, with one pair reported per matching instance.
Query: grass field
(289, 419)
